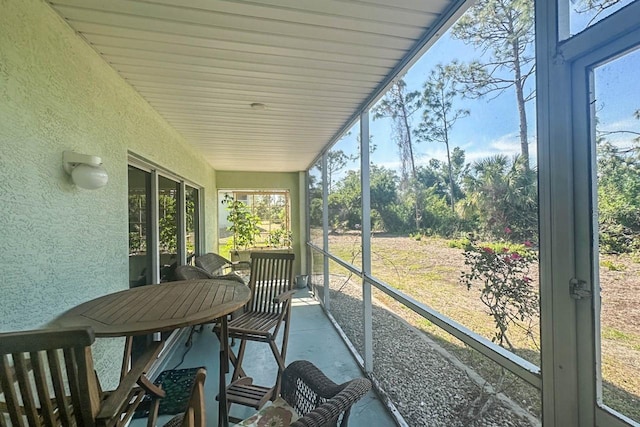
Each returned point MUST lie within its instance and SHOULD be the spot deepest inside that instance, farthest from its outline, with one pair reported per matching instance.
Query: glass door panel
(192, 198)
(616, 129)
(140, 254)
(168, 225)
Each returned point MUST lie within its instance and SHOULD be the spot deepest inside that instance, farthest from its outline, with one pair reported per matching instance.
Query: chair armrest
(112, 405)
(341, 403)
(243, 264)
(284, 296)
(323, 414)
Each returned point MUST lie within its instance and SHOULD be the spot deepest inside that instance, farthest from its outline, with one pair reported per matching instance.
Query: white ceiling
(312, 63)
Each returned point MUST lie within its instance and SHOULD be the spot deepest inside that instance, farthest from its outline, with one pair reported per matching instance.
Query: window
(249, 219)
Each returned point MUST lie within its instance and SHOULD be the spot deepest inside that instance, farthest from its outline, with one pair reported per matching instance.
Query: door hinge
(578, 289)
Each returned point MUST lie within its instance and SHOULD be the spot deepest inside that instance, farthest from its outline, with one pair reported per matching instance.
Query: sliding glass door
(164, 216)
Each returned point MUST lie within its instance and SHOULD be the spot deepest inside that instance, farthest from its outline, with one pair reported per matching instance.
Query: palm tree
(502, 194)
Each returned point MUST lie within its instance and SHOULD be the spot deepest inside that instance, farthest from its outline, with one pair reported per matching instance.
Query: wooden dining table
(161, 308)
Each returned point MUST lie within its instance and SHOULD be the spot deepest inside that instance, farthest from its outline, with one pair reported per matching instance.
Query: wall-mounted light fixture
(85, 170)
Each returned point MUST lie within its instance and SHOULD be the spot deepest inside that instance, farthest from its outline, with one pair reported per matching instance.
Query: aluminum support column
(325, 231)
(182, 223)
(367, 311)
(557, 312)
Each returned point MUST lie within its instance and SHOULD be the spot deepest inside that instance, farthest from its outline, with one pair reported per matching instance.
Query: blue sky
(492, 126)
(617, 93)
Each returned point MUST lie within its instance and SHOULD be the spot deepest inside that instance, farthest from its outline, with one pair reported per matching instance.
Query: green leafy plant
(244, 224)
(612, 266)
(168, 224)
(502, 272)
(279, 238)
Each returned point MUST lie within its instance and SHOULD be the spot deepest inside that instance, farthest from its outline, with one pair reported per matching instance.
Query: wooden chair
(269, 308)
(218, 267)
(195, 415)
(320, 401)
(47, 379)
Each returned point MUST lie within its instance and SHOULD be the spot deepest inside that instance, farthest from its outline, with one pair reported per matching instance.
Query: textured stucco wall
(270, 180)
(61, 245)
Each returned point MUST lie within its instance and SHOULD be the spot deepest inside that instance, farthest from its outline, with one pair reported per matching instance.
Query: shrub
(502, 272)
(612, 266)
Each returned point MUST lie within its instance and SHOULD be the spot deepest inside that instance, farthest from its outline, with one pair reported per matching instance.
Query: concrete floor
(311, 337)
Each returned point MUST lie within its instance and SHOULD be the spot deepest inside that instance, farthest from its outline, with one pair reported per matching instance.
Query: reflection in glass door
(615, 123)
(192, 202)
(140, 255)
(168, 225)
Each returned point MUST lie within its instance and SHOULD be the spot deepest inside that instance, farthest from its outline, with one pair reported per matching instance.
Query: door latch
(578, 289)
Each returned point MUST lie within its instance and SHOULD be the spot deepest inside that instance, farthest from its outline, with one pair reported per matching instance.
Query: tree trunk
(524, 143)
(405, 119)
(446, 142)
(451, 186)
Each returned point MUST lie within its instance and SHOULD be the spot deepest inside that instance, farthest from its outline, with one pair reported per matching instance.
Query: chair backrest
(195, 414)
(39, 370)
(212, 263)
(271, 274)
(320, 401)
(189, 272)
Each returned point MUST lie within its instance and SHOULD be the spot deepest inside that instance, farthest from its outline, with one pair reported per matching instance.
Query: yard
(429, 270)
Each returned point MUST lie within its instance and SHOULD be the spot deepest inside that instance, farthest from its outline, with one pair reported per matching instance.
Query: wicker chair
(189, 272)
(218, 267)
(320, 401)
(47, 379)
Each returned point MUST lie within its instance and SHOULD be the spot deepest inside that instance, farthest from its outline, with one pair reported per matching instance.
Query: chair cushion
(175, 421)
(278, 413)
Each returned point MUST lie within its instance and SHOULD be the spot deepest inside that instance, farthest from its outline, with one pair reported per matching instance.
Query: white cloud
(622, 139)
(507, 144)
(389, 165)
(432, 152)
(629, 123)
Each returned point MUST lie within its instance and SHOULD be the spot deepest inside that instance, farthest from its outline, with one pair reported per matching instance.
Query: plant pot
(302, 281)
(240, 255)
(245, 254)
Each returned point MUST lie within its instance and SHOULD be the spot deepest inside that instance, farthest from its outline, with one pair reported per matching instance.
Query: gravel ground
(428, 385)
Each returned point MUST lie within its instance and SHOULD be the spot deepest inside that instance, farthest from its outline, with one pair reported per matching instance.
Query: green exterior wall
(270, 180)
(62, 245)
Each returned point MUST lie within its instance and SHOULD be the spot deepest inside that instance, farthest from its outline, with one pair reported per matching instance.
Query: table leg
(126, 357)
(223, 415)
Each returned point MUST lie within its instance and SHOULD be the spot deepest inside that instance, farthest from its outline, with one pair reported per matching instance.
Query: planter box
(245, 254)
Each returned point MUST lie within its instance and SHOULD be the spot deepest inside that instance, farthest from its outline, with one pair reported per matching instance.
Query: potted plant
(244, 226)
